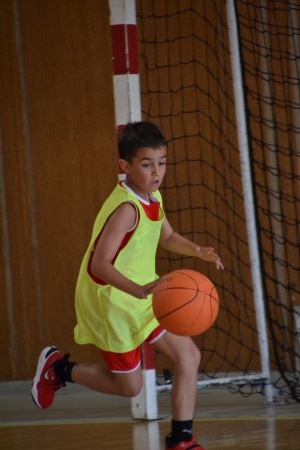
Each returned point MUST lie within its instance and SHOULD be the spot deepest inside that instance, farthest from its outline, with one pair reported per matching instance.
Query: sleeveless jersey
(107, 317)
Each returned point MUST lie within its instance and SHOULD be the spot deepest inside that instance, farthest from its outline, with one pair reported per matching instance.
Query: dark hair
(138, 135)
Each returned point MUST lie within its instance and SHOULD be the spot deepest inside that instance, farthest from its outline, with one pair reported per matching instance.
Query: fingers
(147, 289)
(208, 254)
(219, 265)
(218, 262)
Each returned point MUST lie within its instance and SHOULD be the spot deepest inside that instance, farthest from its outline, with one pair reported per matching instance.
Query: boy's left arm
(174, 242)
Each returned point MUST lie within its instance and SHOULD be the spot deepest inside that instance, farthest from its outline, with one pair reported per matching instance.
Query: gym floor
(80, 418)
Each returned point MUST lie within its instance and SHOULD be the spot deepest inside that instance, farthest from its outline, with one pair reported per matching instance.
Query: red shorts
(129, 361)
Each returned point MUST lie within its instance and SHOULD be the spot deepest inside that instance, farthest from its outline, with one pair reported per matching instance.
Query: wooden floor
(265, 434)
(80, 419)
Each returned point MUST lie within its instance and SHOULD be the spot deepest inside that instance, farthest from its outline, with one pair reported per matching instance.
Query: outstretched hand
(208, 254)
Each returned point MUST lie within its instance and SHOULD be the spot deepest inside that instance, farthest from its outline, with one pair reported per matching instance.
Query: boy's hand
(208, 254)
(143, 291)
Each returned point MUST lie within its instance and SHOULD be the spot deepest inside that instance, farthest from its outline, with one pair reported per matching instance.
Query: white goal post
(248, 198)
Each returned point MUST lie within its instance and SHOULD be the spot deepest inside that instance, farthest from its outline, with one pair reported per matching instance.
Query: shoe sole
(40, 365)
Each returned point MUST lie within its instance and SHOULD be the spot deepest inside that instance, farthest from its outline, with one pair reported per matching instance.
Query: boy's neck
(146, 195)
(125, 185)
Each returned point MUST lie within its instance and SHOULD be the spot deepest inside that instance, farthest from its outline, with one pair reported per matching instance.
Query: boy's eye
(161, 163)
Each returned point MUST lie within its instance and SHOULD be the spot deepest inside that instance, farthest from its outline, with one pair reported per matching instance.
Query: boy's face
(146, 171)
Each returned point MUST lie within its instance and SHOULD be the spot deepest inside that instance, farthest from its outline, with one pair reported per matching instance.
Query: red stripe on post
(119, 49)
(122, 64)
(147, 356)
(119, 129)
(132, 49)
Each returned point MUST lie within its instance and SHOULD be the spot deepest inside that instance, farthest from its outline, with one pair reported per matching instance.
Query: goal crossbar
(237, 380)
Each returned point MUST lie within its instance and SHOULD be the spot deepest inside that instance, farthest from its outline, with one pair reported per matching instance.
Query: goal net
(187, 88)
(270, 43)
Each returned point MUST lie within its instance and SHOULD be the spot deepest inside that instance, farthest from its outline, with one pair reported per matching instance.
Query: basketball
(185, 302)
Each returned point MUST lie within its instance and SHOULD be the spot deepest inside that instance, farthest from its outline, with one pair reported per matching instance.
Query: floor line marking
(133, 422)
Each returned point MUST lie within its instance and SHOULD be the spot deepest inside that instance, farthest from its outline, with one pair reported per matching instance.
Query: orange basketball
(185, 302)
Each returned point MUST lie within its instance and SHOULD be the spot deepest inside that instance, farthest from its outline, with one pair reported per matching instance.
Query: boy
(116, 278)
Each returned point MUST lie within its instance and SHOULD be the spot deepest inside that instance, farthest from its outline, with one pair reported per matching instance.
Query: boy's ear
(125, 166)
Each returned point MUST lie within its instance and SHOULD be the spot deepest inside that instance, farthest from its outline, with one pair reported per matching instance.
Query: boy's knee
(132, 389)
(198, 357)
(192, 358)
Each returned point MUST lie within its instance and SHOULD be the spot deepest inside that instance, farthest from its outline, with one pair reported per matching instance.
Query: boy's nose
(155, 170)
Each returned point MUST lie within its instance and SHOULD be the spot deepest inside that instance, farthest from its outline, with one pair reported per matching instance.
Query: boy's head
(138, 135)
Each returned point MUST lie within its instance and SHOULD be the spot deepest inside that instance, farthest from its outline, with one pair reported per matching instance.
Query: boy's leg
(99, 378)
(184, 354)
(54, 370)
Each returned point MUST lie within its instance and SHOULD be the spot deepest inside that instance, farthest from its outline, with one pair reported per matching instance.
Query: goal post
(247, 183)
(128, 109)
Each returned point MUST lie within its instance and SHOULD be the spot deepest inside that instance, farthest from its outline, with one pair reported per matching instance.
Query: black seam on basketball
(180, 287)
(179, 307)
(188, 276)
(187, 289)
(190, 288)
(199, 313)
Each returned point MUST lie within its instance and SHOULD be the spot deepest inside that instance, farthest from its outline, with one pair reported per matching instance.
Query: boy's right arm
(121, 220)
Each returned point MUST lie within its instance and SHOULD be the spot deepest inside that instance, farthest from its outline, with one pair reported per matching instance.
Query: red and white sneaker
(45, 383)
(191, 445)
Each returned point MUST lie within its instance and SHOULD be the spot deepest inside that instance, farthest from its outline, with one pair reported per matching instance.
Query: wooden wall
(58, 163)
